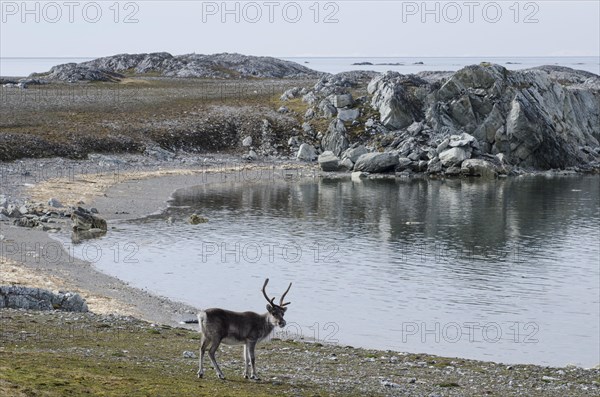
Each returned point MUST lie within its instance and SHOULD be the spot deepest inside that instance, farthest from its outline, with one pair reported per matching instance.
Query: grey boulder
(341, 101)
(479, 167)
(348, 114)
(454, 156)
(328, 161)
(354, 153)
(17, 297)
(335, 139)
(306, 152)
(376, 162)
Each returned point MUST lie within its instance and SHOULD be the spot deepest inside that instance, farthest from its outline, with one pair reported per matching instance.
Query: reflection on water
(505, 271)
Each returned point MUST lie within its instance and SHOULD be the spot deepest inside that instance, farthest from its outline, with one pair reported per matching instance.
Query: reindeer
(232, 328)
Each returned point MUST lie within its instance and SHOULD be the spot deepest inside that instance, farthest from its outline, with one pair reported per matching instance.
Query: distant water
(408, 65)
(506, 271)
(26, 66)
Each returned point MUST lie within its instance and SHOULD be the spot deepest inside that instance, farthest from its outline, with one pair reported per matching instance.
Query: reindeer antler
(271, 301)
(283, 296)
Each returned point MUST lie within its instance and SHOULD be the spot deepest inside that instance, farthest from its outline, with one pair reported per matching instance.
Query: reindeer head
(276, 311)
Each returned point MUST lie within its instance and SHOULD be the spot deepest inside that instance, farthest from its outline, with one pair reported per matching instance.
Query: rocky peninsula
(493, 120)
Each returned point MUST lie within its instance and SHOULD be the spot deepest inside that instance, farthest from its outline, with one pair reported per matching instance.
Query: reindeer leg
(211, 355)
(203, 346)
(251, 346)
(246, 361)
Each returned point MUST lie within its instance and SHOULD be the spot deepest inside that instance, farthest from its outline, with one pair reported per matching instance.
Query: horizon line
(322, 56)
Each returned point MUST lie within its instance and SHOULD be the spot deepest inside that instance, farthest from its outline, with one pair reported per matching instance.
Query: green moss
(48, 358)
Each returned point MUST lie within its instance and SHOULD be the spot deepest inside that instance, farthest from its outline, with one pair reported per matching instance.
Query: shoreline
(112, 196)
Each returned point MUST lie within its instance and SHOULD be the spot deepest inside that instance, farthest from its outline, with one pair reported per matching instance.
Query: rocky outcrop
(224, 65)
(540, 118)
(340, 83)
(399, 99)
(72, 72)
(485, 117)
(17, 297)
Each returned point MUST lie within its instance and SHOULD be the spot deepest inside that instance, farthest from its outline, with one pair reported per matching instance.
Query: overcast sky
(301, 28)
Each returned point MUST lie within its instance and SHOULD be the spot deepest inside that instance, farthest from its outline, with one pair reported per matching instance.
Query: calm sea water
(25, 66)
(506, 271)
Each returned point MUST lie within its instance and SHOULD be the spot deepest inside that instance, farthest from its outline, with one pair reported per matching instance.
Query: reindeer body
(235, 328)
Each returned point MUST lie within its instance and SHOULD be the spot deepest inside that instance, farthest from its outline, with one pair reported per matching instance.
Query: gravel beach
(291, 367)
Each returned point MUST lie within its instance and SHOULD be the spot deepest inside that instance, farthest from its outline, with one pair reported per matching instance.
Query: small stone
(403, 163)
(357, 176)
(293, 141)
(549, 378)
(196, 219)
(189, 354)
(442, 146)
(247, 141)
(463, 139)
(55, 203)
(310, 113)
(341, 101)
(391, 385)
(415, 128)
(306, 127)
(252, 156)
(346, 164)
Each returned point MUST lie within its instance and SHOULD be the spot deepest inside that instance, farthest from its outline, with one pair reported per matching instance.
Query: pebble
(392, 385)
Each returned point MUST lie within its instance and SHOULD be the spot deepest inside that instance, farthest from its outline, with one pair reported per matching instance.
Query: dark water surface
(505, 271)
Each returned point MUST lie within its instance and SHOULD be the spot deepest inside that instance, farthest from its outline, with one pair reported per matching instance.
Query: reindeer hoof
(222, 377)
(245, 376)
(200, 375)
(254, 377)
